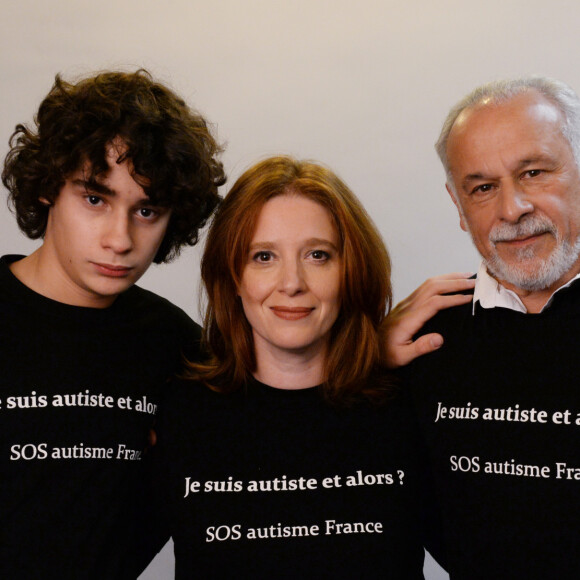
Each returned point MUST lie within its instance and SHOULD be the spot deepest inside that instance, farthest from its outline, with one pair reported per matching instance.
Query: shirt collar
(491, 294)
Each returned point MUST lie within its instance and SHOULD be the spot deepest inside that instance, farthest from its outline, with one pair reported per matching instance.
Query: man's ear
(44, 201)
(462, 223)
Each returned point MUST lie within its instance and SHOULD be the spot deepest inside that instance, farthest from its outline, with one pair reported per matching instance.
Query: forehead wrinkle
(497, 161)
(522, 164)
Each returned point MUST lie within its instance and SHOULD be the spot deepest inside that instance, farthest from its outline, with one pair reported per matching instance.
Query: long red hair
(366, 292)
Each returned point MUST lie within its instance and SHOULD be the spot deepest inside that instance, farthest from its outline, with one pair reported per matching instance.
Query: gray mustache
(530, 226)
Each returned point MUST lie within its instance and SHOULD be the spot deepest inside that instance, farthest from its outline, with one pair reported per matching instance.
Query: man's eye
(483, 188)
(147, 212)
(533, 172)
(94, 199)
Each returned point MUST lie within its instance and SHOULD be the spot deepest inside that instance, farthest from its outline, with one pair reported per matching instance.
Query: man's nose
(117, 233)
(514, 203)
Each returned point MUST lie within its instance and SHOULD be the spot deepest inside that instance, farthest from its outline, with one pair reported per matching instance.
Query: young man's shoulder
(142, 298)
(136, 304)
(11, 289)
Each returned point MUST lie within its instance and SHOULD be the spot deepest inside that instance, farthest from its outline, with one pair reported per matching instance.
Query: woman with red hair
(291, 453)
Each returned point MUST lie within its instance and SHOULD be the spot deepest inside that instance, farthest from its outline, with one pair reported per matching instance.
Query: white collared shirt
(491, 294)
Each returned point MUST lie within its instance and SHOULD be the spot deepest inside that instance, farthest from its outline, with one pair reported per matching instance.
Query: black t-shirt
(500, 406)
(277, 483)
(79, 392)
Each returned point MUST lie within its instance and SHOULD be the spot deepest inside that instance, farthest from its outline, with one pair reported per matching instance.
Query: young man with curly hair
(116, 173)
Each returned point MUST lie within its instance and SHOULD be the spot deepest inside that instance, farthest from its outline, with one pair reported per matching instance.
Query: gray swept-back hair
(557, 92)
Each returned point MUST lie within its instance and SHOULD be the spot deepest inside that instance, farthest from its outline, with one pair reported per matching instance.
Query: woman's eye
(262, 256)
(320, 255)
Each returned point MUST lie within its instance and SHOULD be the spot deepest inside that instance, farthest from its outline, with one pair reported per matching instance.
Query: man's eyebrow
(535, 159)
(521, 165)
(93, 186)
(468, 179)
(474, 177)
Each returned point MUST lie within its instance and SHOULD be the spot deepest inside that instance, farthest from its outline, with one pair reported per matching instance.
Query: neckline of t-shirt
(48, 306)
(280, 392)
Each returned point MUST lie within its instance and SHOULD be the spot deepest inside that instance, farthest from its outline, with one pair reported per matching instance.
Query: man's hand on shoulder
(409, 316)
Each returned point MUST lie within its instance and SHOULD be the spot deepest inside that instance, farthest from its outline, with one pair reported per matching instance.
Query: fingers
(404, 322)
(402, 355)
(408, 317)
(426, 344)
(433, 292)
(452, 276)
(445, 284)
(436, 303)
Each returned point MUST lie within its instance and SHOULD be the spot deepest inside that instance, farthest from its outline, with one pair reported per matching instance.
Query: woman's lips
(291, 313)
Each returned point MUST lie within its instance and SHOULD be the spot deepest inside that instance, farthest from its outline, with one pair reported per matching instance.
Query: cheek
(248, 297)
(252, 307)
(74, 242)
(247, 308)
(566, 212)
(330, 292)
(150, 241)
(478, 226)
(255, 287)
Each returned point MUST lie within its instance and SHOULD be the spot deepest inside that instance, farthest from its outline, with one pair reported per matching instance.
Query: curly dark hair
(169, 145)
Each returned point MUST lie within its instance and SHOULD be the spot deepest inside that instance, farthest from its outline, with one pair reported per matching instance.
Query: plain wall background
(361, 86)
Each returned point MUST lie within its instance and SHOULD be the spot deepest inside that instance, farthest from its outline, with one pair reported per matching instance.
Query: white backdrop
(362, 86)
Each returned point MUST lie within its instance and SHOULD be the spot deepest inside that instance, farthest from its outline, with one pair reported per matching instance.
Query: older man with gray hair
(500, 400)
